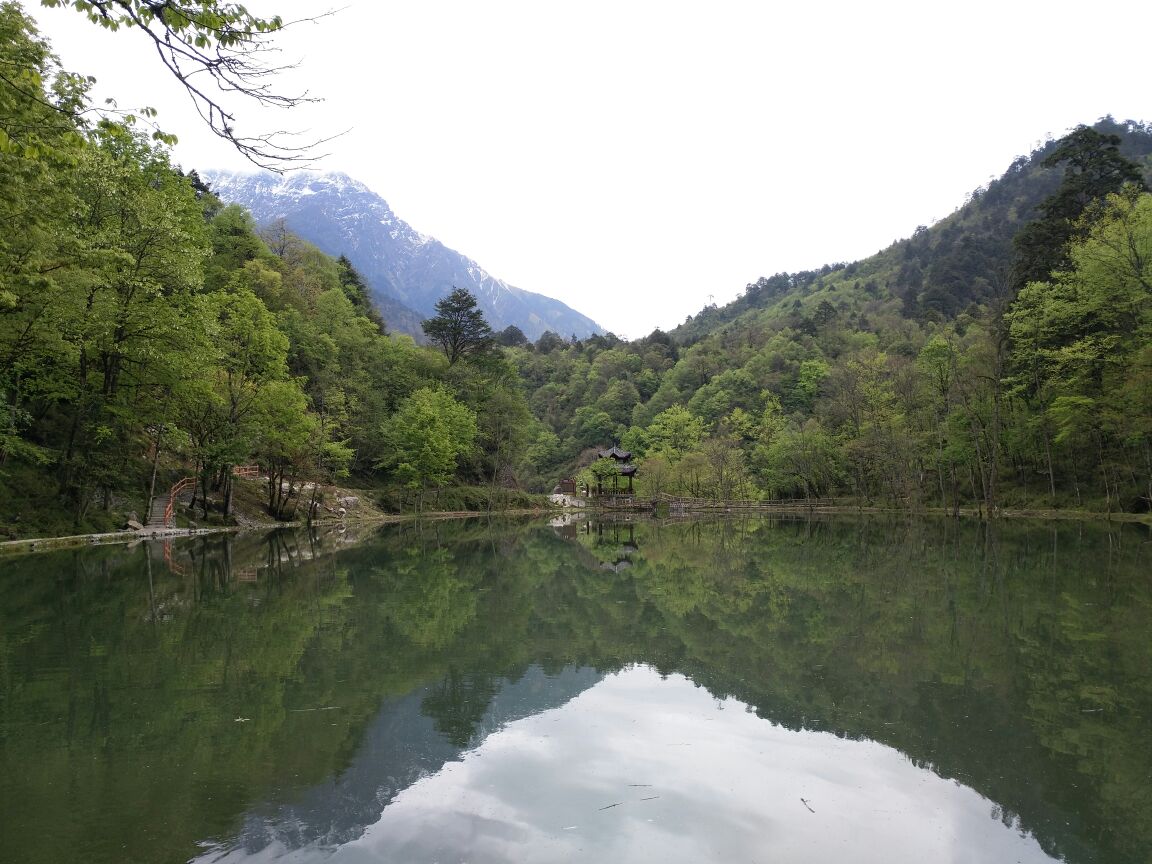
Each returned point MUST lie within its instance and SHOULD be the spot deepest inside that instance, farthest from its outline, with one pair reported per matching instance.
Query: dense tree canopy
(1094, 169)
(910, 378)
(427, 434)
(144, 328)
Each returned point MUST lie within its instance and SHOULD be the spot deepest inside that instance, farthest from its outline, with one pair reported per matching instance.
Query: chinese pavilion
(624, 466)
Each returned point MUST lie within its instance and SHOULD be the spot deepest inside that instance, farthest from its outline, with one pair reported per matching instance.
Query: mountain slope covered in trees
(148, 331)
(930, 373)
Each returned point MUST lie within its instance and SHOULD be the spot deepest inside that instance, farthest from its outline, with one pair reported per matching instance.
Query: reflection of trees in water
(430, 599)
(215, 561)
(968, 649)
(161, 683)
(458, 703)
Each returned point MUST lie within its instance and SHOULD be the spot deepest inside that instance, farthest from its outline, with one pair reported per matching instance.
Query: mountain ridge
(406, 271)
(941, 270)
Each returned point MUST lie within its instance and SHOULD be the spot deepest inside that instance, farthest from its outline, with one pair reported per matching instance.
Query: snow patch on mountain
(342, 216)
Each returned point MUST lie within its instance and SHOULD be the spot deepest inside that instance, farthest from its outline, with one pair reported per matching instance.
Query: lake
(740, 690)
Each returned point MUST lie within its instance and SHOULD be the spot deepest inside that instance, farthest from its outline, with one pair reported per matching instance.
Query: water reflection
(480, 690)
(402, 745)
(643, 767)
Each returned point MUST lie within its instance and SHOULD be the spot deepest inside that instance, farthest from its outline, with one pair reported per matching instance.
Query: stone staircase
(160, 513)
(157, 511)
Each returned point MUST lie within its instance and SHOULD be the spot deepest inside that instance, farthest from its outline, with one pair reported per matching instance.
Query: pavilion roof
(616, 453)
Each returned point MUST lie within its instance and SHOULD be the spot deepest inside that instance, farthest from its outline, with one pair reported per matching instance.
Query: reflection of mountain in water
(1011, 659)
(403, 744)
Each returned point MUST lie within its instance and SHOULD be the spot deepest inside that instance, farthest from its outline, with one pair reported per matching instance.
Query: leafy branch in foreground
(205, 40)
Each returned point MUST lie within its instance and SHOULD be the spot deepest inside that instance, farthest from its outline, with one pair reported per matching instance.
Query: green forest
(999, 359)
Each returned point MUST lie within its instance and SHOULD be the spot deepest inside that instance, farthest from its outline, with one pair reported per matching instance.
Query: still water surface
(842, 690)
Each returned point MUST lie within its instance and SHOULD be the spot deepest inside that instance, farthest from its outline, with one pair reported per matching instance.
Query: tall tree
(357, 291)
(426, 436)
(459, 326)
(40, 143)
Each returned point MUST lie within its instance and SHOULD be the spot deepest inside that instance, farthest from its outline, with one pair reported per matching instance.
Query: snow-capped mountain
(406, 271)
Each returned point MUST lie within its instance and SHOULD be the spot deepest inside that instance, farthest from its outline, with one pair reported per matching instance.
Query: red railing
(176, 490)
(245, 470)
(171, 564)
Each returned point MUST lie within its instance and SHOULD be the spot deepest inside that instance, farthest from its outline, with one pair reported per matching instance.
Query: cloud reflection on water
(643, 768)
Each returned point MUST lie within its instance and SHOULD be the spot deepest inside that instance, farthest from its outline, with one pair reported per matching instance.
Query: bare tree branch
(217, 49)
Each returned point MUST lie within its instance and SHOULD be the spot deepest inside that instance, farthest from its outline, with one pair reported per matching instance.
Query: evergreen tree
(459, 326)
(357, 291)
(512, 337)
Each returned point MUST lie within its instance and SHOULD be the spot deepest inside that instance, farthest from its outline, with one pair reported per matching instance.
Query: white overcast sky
(639, 159)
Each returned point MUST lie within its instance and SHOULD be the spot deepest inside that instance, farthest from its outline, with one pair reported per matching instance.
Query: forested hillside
(998, 358)
(1001, 358)
(148, 332)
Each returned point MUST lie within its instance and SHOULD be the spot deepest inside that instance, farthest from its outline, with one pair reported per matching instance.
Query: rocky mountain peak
(406, 271)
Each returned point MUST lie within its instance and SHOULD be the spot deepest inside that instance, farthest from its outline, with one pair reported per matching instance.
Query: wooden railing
(173, 492)
(190, 483)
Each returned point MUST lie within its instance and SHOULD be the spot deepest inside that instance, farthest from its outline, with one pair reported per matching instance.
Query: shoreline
(128, 536)
(46, 544)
